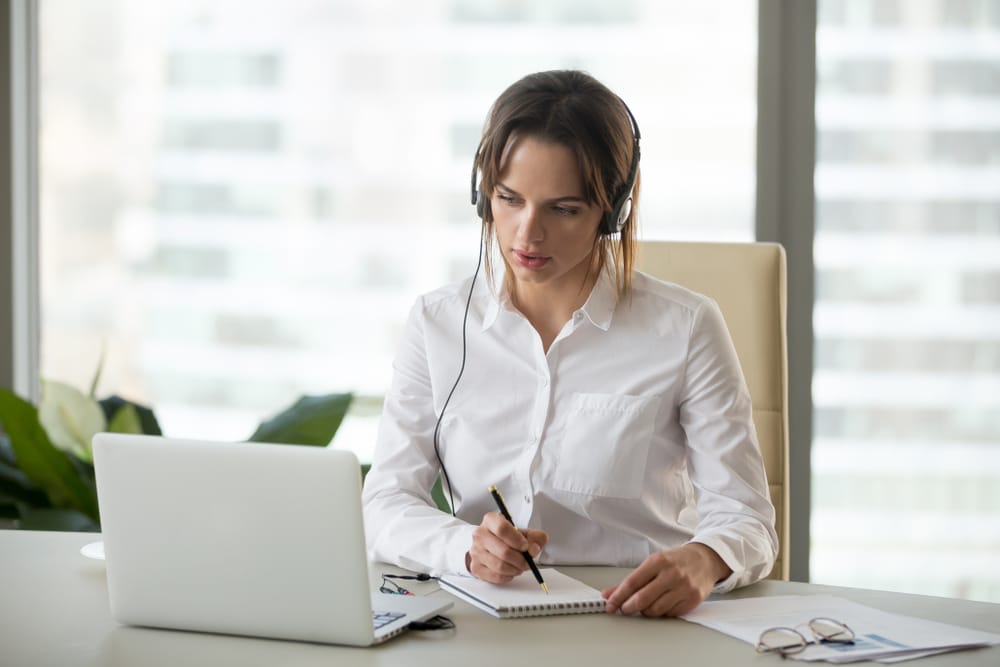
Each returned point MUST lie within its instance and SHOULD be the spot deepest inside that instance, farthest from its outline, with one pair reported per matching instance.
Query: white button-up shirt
(633, 434)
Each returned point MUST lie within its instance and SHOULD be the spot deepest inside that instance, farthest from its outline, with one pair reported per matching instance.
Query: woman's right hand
(497, 546)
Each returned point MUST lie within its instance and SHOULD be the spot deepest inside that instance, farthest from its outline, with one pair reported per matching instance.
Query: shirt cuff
(458, 545)
(728, 557)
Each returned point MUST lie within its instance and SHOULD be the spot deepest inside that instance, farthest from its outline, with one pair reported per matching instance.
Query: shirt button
(577, 316)
(527, 499)
(545, 382)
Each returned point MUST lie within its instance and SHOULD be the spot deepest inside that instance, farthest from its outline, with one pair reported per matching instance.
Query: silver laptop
(242, 538)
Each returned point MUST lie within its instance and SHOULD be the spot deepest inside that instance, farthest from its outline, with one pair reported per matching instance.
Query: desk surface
(54, 611)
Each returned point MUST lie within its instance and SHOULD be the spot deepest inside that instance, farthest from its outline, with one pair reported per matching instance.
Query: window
(241, 200)
(906, 451)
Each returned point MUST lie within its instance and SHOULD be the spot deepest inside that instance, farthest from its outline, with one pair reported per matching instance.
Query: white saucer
(93, 550)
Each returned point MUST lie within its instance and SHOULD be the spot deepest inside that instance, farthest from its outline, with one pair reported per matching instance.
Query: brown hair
(574, 109)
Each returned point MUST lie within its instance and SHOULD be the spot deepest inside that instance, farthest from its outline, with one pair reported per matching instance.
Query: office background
(238, 201)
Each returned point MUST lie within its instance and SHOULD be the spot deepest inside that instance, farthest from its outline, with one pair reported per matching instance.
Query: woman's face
(544, 227)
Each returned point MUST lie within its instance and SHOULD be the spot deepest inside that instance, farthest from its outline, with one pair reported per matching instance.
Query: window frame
(785, 214)
(19, 289)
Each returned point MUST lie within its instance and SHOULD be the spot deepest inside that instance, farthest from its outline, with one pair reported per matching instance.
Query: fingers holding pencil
(529, 559)
(496, 553)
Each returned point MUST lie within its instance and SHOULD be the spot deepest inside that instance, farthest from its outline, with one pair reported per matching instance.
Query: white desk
(54, 612)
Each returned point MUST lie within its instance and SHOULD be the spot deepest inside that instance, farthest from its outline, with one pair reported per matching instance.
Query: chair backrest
(748, 282)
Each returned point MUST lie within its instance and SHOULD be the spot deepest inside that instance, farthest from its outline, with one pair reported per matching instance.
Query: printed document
(879, 635)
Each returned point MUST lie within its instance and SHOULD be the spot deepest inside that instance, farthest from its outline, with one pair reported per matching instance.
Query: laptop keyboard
(383, 617)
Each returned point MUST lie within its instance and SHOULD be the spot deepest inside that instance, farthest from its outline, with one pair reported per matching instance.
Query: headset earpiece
(623, 213)
(476, 194)
(616, 218)
(480, 204)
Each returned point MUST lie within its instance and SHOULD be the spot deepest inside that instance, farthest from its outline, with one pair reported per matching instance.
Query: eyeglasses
(789, 641)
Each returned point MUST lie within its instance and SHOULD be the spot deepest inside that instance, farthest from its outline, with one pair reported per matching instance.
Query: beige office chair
(747, 280)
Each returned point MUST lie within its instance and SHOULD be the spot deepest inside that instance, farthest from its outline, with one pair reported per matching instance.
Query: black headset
(621, 207)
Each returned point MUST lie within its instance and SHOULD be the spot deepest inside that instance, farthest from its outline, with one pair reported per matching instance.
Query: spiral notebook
(524, 597)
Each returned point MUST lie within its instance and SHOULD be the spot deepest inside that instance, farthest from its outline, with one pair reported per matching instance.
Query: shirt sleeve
(735, 514)
(403, 525)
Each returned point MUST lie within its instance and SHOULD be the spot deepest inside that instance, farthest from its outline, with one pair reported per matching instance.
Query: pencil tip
(545, 588)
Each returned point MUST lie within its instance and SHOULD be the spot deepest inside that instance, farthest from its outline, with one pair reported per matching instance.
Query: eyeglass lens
(829, 630)
(782, 640)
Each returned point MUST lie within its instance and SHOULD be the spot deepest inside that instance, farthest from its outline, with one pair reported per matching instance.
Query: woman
(608, 406)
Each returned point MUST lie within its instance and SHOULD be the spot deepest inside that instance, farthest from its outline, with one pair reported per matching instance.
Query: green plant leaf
(56, 519)
(85, 471)
(43, 464)
(125, 420)
(70, 418)
(15, 486)
(437, 493)
(311, 420)
(97, 373)
(6, 452)
(8, 510)
(112, 404)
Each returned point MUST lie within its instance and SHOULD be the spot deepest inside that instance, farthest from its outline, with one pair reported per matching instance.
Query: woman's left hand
(668, 583)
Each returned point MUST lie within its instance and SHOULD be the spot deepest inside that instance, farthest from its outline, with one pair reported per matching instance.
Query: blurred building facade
(906, 387)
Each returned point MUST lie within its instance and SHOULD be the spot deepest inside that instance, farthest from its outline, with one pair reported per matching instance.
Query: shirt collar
(599, 307)
(494, 304)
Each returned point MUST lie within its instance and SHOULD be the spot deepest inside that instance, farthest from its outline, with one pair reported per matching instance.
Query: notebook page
(524, 597)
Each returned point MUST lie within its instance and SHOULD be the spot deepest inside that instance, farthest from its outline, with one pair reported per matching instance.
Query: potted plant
(46, 464)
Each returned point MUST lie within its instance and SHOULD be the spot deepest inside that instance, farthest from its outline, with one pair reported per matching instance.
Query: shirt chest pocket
(605, 445)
